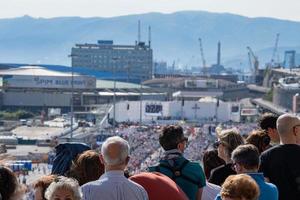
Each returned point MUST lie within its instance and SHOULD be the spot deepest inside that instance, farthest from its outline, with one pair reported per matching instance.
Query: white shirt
(113, 185)
(210, 191)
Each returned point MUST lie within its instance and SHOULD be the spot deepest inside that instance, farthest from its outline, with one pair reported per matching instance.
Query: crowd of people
(230, 161)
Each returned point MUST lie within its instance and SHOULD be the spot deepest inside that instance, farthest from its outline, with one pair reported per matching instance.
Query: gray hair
(62, 182)
(285, 124)
(122, 150)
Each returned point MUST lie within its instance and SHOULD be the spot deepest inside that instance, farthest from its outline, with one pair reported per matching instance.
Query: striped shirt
(113, 185)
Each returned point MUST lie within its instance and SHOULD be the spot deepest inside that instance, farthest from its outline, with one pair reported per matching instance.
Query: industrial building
(134, 60)
(37, 88)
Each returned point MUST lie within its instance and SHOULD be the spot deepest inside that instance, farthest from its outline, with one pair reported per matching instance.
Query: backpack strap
(177, 172)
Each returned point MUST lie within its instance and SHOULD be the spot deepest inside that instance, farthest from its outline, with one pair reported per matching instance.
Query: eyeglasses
(233, 166)
(217, 144)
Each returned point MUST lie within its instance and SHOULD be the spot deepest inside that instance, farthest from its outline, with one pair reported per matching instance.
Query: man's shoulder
(194, 165)
(280, 149)
(92, 184)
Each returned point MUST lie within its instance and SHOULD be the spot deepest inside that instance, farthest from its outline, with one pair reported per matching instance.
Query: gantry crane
(255, 62)
(275, 51)
(202, 57)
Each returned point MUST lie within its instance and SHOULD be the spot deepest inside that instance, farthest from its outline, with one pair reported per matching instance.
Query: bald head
(115, 151)
(285, 124)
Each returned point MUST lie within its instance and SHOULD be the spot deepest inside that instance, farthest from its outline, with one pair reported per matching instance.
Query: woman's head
(41, 185)
(9, 187)
(87, 167)
(239, 187)
(228, 141)
(211, 160)
(260, 139)
(63, 188)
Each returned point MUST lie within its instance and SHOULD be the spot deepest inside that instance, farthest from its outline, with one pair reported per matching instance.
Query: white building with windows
(134, 60)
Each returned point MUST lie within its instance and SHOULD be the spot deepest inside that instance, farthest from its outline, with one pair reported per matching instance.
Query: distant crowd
(229, 162)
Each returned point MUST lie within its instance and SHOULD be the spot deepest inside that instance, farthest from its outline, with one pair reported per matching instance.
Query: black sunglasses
(216, 144)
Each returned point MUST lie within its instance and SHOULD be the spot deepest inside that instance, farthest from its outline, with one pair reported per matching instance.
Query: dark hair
(87, 167)
(268, 120)
(44, 183)
(246, 155)
(170, 137)
(260, 139)
(211, 160)
(8, 183)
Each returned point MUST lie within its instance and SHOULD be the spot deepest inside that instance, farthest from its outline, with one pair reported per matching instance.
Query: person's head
(115, 153)
(172, 137)
(9, 186)
(245, 158)
(268, 124)
(211, 160)
(239, 187)
(260, 139)
(63, 188)
(41, 185)
(288, 127)
(87, 167)
(228, 140)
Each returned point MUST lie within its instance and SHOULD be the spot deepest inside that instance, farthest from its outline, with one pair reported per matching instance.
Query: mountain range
(174, 37)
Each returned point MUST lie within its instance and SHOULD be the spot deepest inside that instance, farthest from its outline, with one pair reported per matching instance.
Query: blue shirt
(193, 170)
(113, 185)
(268, 191)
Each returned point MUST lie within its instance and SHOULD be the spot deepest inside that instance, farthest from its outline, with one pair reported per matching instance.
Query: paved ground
(37, 132)
(23, 150)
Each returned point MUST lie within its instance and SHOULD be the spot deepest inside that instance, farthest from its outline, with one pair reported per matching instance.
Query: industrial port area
(109, 86)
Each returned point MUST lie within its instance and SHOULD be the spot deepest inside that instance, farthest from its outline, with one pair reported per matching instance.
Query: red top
(159, 186)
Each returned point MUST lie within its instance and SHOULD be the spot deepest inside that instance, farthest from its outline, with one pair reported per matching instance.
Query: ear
(127, 160)
(102, 159)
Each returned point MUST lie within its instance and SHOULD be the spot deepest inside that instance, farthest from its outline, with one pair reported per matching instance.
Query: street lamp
(72, 96)
(114, 97)
(141, 103)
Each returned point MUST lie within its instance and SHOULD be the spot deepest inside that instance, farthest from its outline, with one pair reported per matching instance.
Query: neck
(227, 160)
(250, 171)
(287, 141)
(114, 168)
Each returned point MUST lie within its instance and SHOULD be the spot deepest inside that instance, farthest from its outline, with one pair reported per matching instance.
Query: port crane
(254, 67)
(275, 51)
(202, 56)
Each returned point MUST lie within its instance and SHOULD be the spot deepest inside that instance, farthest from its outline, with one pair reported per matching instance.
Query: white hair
(65, 183)
(123, 150)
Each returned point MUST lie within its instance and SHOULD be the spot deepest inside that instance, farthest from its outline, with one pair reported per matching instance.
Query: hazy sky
(283, 9)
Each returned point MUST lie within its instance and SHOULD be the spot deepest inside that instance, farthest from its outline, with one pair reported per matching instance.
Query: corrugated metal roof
(105, 84)
(34, 71)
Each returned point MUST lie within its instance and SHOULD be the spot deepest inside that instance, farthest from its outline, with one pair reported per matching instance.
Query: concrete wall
(284, 97)
(207, 111)
(36, 99)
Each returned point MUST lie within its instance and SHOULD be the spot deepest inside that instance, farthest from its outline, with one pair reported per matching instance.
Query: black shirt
(281, 164)
(219, 174)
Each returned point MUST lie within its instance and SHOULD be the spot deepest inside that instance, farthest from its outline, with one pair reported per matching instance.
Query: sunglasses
(217, 144)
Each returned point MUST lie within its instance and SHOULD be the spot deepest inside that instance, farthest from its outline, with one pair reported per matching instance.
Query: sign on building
(249, 112)
(61, 82)
(154, 109)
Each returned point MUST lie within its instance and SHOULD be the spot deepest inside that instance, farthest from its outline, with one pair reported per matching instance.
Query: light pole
(141, 103)
(72, 96)
(114, 97)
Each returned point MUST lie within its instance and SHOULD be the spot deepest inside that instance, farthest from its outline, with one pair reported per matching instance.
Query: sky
(281, 9)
